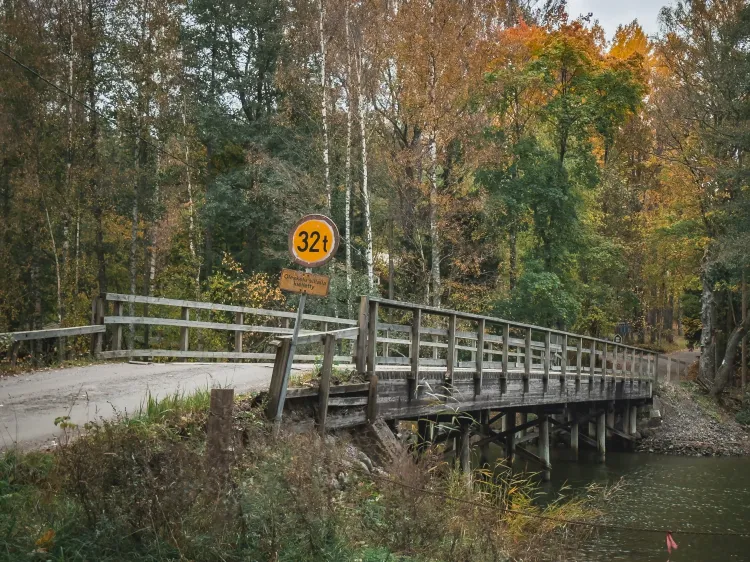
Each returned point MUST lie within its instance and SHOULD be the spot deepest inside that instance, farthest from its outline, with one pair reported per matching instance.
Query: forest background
(490, 156)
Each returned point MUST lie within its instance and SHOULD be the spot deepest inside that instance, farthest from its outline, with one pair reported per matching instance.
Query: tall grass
(145, 491)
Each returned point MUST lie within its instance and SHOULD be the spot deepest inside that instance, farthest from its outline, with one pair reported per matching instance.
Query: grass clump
(144, 490)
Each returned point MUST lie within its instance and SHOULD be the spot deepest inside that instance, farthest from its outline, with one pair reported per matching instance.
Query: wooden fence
(111, 312)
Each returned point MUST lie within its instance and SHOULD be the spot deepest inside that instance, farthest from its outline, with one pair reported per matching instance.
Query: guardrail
(266, 323)
(54, 333)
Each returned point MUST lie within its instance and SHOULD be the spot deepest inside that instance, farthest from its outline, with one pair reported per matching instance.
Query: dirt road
(30, 403)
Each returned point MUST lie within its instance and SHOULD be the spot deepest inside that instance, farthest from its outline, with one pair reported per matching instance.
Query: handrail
(117, 297)
(54, 333)
(495, 320)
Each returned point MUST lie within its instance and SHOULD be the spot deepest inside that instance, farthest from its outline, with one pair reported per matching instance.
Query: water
(664, 492)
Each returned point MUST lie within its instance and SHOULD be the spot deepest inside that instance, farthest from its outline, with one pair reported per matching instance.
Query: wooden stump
(219, 434)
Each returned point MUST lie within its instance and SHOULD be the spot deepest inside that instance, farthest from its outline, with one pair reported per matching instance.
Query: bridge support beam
(573, 433)
(601, 435)
(484, 448)
(510, 440)
(544, 447)
(633, 421)
(464, 451)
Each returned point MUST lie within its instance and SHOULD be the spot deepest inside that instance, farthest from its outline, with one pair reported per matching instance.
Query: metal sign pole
(290, 358)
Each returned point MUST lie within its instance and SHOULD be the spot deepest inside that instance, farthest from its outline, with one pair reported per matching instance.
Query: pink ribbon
(670, 543)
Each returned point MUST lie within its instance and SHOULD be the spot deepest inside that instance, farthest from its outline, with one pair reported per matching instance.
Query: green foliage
(540, 298)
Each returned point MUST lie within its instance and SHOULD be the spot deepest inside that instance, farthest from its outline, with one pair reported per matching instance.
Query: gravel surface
(692, 425)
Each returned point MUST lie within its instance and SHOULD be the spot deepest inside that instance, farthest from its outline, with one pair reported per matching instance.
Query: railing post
(592, 359)
(239, 319)
(615, 370)
(372, 400)
(361, 359)
(480, 357)
(329, 347)
(184, 330)
(564, 362)
(372, 337)
(277, 377)
(506, 346)
(604, 360)
(527, 360)
(416, 326)
(117, 337)
(97, 318)
(450, 358)
(547, 351)
(579, 363)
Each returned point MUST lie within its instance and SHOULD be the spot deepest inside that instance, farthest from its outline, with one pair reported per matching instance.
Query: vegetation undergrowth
(147, 491)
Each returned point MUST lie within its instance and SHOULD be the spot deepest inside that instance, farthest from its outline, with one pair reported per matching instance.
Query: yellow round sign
(313, 241)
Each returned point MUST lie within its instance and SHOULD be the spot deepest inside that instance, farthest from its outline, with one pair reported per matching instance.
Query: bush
(743, 417)
(142, 490)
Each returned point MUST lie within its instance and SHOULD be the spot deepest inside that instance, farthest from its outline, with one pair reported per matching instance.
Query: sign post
(313, 242)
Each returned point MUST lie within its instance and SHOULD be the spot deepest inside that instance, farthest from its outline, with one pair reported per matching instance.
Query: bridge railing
(184, 329)
(424, 339)
(58, 334)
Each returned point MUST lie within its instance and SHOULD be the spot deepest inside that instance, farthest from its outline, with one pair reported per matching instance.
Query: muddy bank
(691, 424)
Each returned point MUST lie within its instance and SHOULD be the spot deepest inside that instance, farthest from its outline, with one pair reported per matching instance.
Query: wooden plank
(225, 307)
(414, 355)
(185, 322)
(325, 381)
(348, 401)
(212, 355)
(56, 333)
(308, 392)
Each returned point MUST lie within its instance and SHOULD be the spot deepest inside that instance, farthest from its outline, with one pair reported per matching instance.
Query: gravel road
(30, 403)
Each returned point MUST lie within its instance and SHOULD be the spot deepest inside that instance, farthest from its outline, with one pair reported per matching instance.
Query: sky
(612, 13)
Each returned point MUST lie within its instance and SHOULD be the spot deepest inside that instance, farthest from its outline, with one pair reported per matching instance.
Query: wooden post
(372, 337)
(450, 358)
(626, 418)
(523, 420)
(372, 400)
(14, 353)
(184, 330)
(573, 432)
(564, 358)
(329, 349)
(480, 357)
(592, 424)
(527, 357)
(544, 447)
(117, 336)
(601, 436)
(604, 360)
(361, 360)
(592, 359)
(610, 420)
(277, 377)
(510, 440)
(547, 359)
(633, 420)
(239, 319)
(579, 363)
(465, 450)
(506, 346)
(97, 318)
(743, 368)
(416, 326)
(219, 433)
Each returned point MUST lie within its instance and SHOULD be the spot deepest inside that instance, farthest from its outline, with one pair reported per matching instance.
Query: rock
(654, 422)
(362, 466)
(364, 459)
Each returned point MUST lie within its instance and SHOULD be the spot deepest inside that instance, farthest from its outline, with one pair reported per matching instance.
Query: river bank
(691, 424)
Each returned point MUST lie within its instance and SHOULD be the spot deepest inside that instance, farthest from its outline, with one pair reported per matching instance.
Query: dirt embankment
(692, 424)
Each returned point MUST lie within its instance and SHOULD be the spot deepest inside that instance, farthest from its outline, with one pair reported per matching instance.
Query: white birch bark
(365, 187)
(348, 165)
(324, 100)
(434, 232)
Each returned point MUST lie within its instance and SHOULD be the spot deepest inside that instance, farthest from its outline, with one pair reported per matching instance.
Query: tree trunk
(726, 369)
(434, 232)
(365, 187)
(324, 100)
(708, 320)
(513, 265)
(348, 166)
(744, 338)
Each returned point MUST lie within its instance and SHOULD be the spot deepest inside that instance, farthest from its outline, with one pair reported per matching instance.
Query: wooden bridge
(475, 378)
(457, 375)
